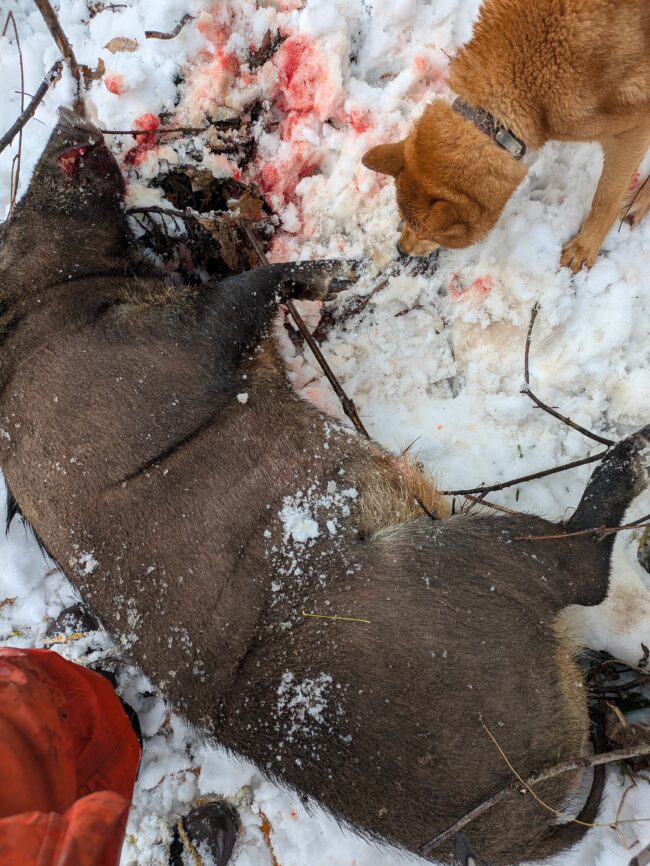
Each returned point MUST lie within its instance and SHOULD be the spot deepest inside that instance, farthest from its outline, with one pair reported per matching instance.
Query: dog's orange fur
(566, 70)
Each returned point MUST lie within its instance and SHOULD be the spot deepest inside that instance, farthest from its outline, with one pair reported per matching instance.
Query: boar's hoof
(320, 280)
(210, 828)
(76, 619)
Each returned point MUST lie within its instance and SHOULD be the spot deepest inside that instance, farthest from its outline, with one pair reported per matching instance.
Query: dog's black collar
(487, 123)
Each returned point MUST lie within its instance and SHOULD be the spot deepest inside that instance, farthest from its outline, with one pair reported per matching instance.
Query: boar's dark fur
(160, 494)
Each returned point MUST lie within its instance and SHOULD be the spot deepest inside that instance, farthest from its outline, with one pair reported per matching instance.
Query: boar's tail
(621, 477)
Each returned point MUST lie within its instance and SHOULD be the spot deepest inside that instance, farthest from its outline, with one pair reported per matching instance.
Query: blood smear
(146, 142)
(114, 84)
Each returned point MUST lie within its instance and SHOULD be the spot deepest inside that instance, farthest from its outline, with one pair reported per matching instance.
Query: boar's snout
(77, 171)
(72, 133)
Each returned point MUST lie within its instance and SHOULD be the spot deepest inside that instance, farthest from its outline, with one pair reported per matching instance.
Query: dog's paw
(579, 253)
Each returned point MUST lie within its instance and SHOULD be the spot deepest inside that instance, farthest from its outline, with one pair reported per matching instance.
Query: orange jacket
(68, 761)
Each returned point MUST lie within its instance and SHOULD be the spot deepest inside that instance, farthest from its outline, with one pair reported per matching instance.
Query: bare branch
(582, 763)
(545, 407)
(188, 130)
(525, 478)
(599, 532)
(52, 76)
(64, 47)
(348, 405)
(480, 500)
(158, 34)
(163, 211)
(16, 161)
(546, 472)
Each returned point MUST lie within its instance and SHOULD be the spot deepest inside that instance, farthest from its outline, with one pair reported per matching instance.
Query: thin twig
(428, 513)
(348, 405)
(550, 773)
(546, 472)
(599, 531)
(52, 76)
(622, 687)
(361, 305)
(479, 500)
(16, 161)
(525, 478)
(163, 211)
(188, 130)
(544, 406)
(158, 34)
(631, 204)
(64, 47)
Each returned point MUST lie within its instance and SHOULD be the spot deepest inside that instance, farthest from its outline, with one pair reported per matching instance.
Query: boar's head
(70, 221)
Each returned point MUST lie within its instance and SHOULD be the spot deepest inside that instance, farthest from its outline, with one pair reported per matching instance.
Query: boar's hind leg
(239, 308)
(621, 476)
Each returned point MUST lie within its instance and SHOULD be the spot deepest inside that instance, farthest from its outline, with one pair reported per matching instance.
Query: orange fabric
(63, 735)
(90, 833)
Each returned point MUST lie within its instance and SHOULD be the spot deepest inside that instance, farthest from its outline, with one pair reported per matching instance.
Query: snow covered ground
(434, 359)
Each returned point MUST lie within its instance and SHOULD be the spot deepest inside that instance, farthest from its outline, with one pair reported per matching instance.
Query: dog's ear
(442, 217)
(385, 158)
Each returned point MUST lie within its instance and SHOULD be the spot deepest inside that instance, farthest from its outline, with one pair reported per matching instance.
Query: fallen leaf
(248, 206)
(92, 74)
(226, 237)
(121, 43)
(626, 735)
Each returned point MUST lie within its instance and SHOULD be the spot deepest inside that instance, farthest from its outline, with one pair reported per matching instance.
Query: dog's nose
(400, 250)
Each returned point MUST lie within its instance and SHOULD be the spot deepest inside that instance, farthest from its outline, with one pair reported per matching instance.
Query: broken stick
(582, 763)
(52, 76)
(64, 47)
(159, 34)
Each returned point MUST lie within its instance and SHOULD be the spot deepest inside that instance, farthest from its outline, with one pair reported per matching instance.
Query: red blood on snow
(114, 83)
(148, 123)
(218, 35)
(300, 70)
(483, 285)
(359, 120)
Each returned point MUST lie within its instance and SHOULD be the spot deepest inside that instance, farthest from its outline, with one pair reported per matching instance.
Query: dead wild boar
(202, 509)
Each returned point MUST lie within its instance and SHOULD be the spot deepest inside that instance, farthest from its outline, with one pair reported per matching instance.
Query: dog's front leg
(622, 154)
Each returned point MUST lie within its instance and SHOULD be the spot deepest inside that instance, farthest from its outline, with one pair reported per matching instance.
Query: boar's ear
(385, 158)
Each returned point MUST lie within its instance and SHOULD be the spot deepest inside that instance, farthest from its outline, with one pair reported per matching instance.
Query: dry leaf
(625, 735)
(90, 75)
(270, 44)
(226, 237)
(121, 43)
(200, 178)
(248, 207)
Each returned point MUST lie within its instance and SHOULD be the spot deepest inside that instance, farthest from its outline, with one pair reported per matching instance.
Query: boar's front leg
(239, 308)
